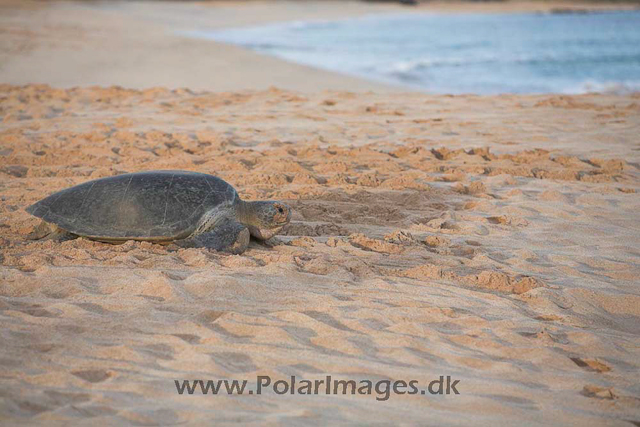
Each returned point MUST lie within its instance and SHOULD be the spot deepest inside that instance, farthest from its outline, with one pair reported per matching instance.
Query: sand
(142, 44)
(492, 239)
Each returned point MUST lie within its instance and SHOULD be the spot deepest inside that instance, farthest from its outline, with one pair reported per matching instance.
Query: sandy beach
(493, 239)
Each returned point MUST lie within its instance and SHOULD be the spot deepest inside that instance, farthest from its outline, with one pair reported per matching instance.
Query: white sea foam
(609, 87)
(501, 53)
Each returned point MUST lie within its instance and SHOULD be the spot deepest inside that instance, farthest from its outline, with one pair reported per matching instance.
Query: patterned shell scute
(148, 205)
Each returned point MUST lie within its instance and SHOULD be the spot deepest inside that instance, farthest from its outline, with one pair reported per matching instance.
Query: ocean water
(469, 53)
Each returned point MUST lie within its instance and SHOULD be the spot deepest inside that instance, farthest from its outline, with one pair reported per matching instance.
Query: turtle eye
(280, 209)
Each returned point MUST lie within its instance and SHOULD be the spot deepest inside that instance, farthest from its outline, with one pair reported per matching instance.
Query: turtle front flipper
(228, 236)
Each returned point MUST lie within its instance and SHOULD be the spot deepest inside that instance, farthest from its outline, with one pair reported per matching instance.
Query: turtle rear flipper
(48, 231)
(228, 236)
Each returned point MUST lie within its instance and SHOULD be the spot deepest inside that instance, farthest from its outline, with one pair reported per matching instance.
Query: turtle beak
(277, 221)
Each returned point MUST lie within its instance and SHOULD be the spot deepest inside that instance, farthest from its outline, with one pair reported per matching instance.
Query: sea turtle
(188, 208)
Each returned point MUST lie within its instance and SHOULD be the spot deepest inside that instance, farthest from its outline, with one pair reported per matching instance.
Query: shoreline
(455, 6)
(137, 45)
(554, 62)
(525, 6)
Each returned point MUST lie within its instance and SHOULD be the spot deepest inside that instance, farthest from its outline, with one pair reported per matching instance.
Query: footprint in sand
(93, 375)
(590, 364)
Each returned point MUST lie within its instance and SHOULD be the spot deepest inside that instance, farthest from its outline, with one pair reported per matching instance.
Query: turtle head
(264, 219)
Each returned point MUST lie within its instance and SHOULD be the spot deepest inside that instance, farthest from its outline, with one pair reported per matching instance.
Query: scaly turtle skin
(188, 208)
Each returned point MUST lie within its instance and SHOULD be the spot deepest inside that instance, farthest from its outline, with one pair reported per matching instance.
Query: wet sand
(141, 44)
